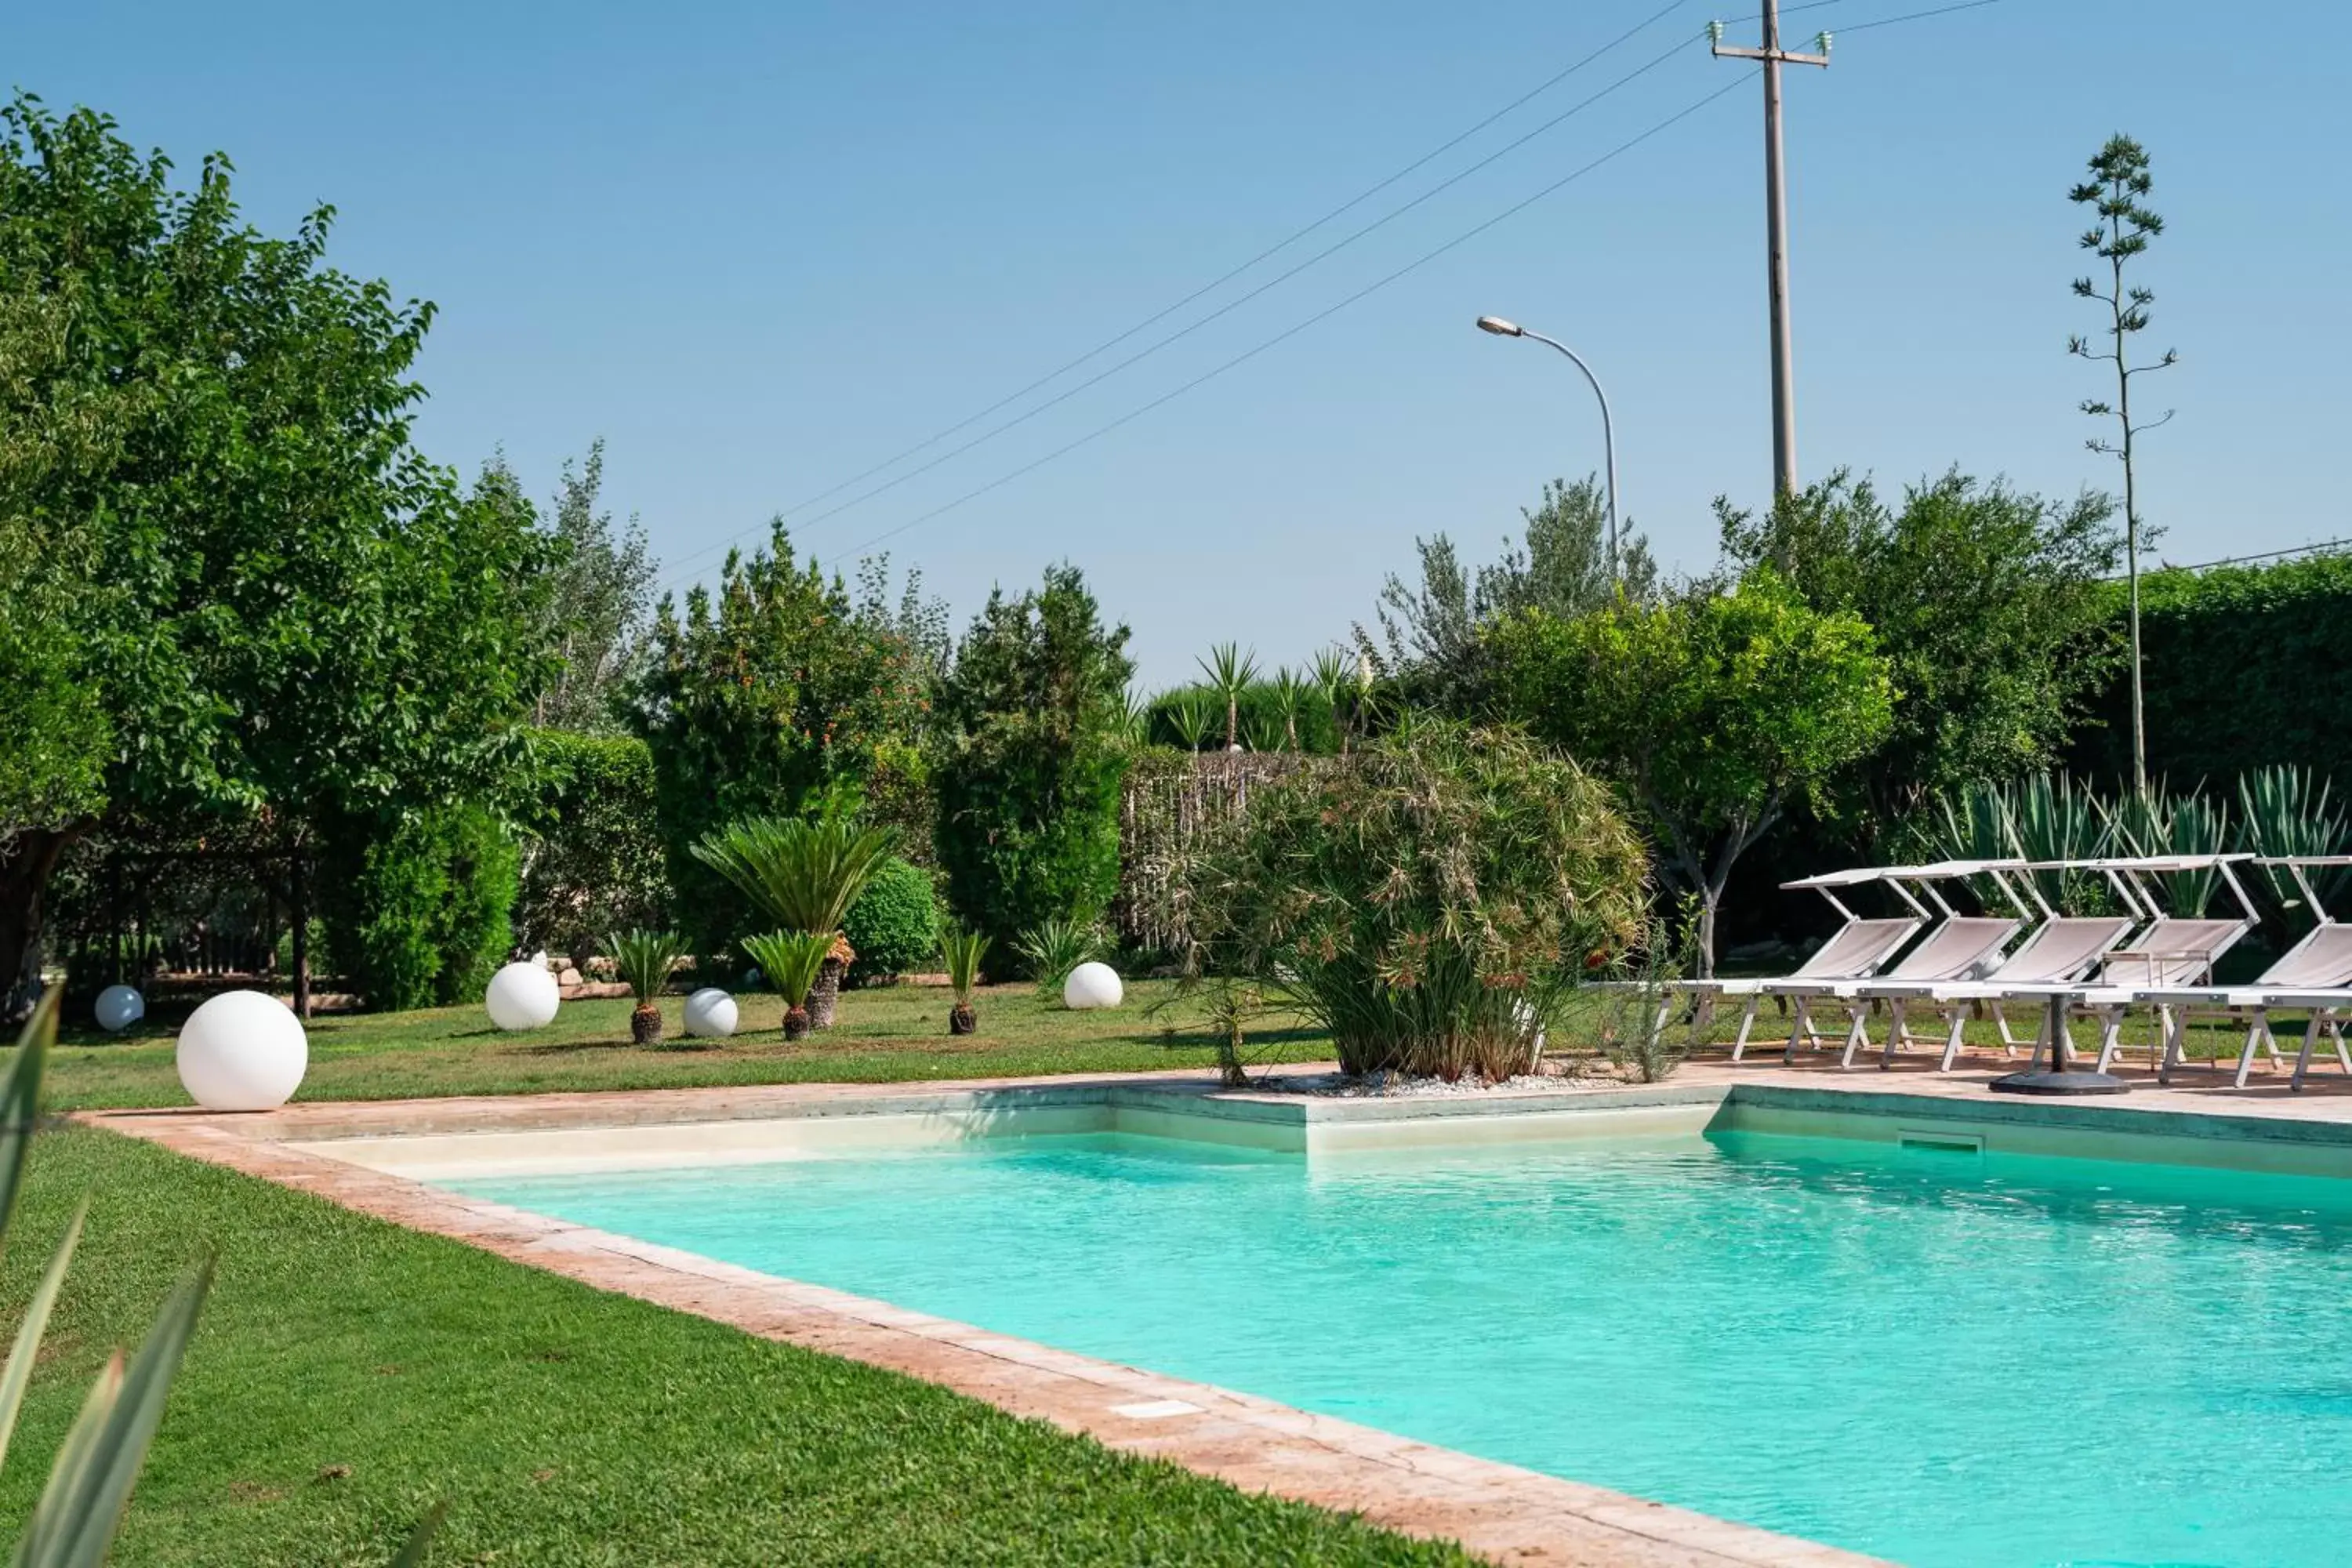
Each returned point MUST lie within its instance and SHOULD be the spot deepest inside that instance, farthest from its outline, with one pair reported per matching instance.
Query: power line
(1316, 318)
(1287, 333)
(1914, 17)
(992, 432)
(1230, 305)
(2321, 548)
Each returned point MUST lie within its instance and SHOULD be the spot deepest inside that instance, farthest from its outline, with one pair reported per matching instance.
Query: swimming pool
(1939, 1357)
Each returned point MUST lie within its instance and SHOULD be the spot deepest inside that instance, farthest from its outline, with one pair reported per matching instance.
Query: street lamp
(1503, 328)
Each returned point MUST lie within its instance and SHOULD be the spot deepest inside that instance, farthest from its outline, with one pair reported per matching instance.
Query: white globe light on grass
(711, 1013)
(119, 1008)
(523, 996)
(243, 1051)
(1091, 985)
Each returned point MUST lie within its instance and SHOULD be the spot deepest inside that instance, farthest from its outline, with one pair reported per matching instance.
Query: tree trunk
(1707, 900)
(825, 995)
(26, 860)
(298, 903)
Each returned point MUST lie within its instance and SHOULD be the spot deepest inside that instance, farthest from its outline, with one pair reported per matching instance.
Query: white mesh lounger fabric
(1960, 947)
(2059, 951)
(2170, 953)
(1861, 949)
(2314, 975)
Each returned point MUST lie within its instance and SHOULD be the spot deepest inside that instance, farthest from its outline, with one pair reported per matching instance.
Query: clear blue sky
(759, 249)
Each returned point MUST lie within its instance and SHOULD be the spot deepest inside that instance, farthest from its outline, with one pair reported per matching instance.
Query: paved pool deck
(1501, 1513)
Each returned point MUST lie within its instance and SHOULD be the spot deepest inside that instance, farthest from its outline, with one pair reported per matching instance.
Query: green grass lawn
(347, 1374)
(890, 1034)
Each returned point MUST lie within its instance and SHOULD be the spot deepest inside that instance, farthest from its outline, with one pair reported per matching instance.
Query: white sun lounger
(1960, 948)
(2170, 952)
(1858, 948)
(2062, 949)
(2314, 976)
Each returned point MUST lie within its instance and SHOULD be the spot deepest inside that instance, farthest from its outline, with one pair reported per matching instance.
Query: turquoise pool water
(1942, 1359)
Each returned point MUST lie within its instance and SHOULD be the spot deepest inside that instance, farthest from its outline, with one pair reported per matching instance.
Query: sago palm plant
(1230, 672)
(644, 959)
(791, 960)
(962, 951)
(804, 874)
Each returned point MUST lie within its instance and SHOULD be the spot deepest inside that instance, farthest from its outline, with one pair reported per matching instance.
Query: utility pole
(1776, 216)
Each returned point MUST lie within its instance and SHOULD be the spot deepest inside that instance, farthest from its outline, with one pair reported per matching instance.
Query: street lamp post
(1503, 328)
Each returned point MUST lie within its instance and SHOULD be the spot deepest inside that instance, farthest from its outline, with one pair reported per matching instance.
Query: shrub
(591, 860)
(1430, 906)
(2244, 667)
(416, 909)
(894, 924)
(644, 959)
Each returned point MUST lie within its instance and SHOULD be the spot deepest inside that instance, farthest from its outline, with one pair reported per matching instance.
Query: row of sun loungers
(1933, 960)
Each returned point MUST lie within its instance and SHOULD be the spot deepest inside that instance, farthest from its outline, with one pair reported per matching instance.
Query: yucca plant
(1189, 713)
(1289, 697)
(644, 959)
(1230, 672)
(791, 960)
(804, 874)
(2286, 810)
(73, 1523)
(962, 951)
(1054, 946)
(1131, 715)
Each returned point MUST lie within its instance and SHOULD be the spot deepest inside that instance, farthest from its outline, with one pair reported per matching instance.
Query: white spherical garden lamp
(1090, 985)
(523, 996)
(243, 1051)
(119, 1008)
(711, 1013)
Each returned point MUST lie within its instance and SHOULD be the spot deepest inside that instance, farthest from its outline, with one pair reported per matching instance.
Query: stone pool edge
(1497, 1511)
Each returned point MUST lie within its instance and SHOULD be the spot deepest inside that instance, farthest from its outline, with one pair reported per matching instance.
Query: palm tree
(1230, 671)
(792, 960)
(1290, 696)
(1334, 674)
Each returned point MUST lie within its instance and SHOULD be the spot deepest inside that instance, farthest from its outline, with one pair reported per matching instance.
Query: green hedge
(416, 909)
(1257, 709)
(592, 862)
(2245, 666)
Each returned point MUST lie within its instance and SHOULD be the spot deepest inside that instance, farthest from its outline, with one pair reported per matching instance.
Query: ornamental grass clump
(791, 960)
(1431, 906)
(1053, 947)
(961, 951)
(644, 959)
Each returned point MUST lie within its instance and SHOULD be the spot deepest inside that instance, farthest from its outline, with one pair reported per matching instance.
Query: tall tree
(2117, 191)
(1558, 566)
(595, 614)
(294, 618)
(1030, 760)
(765, 697)
(1713, 711)
(1991, 609)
